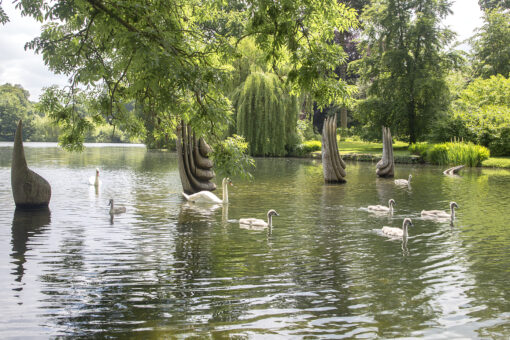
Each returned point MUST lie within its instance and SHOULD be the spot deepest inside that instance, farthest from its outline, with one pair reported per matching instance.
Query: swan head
(227, 180)
(110, 202)
(453, 205)
(407, 222)
(410, 176)
(391, 202)
(272, 212)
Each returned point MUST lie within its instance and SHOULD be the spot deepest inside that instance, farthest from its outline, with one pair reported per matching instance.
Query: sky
(27, 69)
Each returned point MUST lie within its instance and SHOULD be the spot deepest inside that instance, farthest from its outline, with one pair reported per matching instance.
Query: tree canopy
(14, 105)
(491, 45)
(171, 57)
(491, 4)
(403, 65)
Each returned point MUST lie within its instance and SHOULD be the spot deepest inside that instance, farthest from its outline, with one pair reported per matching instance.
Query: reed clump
(453, 153)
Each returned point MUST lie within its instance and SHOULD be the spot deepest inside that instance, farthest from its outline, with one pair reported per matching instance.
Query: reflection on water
(26, 224)
(169, 268)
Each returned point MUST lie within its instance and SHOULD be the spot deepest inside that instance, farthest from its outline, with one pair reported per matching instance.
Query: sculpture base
(339, 181)
(31, 206)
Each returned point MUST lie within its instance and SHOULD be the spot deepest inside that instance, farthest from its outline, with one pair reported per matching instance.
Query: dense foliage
(491, 45)
(14, 105)
(231, 159)
(403, 67)
(171, 58)
(262, 69)
(266, 115)
(454, 153)
(491, 4)
(483, 114)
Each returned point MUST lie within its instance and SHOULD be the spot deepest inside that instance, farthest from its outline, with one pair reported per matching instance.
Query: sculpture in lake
(333, 165)
(195, 167)
(28, 188)
(453, 171)
(386, 166)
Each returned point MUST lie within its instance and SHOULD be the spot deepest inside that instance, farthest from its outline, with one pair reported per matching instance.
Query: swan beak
(231, 184)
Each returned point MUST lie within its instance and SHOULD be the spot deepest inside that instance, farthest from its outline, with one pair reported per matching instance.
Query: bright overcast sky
(18, 66)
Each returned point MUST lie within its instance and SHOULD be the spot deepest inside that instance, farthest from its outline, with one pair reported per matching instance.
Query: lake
(167, 268)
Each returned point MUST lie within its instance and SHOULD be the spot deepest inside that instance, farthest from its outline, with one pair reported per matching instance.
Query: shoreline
(399, 159)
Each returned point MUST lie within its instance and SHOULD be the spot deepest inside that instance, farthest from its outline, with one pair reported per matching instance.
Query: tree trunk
(332, 164)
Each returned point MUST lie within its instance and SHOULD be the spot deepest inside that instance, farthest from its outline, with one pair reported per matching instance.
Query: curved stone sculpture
(386, 166)
(333, 165)
(195, 168)
(453, 171)
(28, 188)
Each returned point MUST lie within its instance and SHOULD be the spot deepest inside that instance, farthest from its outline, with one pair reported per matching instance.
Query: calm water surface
(166, 268)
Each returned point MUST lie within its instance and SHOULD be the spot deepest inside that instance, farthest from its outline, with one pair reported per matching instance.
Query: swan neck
(225, 191)
(269, 221)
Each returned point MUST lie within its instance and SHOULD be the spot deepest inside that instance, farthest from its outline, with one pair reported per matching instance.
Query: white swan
(94, 180)
(382, 208)
(404, 181)
(254, 223)
(208, 197)
(397, 232)
(115, 210)
(440, 214)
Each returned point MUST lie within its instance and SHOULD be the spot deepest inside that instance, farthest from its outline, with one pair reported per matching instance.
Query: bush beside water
(455, 153)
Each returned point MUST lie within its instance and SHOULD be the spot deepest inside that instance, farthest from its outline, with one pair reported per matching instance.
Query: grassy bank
(400, 150)
(497, 162)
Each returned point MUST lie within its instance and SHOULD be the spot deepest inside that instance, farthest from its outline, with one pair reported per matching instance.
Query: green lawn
(497, 162)
(350, 146)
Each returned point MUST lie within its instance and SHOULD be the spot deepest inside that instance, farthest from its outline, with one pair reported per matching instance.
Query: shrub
(437, 154)
(231, 159)
(481, 115)
(419, 149)
(305, 130)
(457, 153)
(311, 146)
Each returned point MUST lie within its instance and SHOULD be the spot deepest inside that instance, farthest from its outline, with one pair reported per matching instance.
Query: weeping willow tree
(266, 115)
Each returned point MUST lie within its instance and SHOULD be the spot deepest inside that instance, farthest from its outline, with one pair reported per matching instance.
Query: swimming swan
(258, 223)
(115, 210)
(397, 232)
(404, 181)
(440, 214)
(94, 180)
(382, 208)
(208, 197)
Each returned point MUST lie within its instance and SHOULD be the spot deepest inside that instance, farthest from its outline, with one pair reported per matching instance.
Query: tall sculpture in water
(333, 165)
(28, 188)
(195, 167)
(386, 166)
